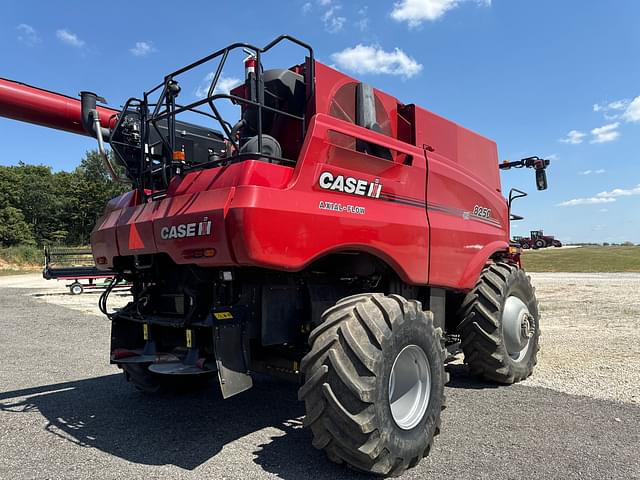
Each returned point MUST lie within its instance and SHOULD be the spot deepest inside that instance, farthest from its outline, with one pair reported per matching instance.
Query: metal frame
(166, 108)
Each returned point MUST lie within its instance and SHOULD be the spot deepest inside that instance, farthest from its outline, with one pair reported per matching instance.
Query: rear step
(165, 363)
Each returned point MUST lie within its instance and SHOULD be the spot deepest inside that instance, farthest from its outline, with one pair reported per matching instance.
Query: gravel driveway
(66, 413)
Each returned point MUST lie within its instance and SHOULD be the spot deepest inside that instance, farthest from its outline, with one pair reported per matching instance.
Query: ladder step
(178, 368)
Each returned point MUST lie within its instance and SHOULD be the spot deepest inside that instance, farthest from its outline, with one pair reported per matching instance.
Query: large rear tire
(374, 384)
(500, 325)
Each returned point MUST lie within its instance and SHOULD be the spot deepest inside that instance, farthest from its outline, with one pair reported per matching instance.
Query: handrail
(165, 109)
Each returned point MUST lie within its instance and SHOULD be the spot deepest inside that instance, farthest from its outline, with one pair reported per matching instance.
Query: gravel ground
(590, 342)
(66, 413)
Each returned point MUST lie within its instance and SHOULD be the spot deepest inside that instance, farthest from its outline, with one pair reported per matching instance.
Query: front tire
(374, 384)
(500, 325)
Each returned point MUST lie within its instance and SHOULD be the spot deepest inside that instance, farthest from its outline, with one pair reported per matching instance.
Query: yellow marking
(189, 338)
(145, 331)
(222, 315)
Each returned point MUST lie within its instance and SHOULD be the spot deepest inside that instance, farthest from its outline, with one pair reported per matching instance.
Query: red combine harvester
(332, 235)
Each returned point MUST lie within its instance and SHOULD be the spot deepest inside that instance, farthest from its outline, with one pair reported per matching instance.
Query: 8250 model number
(482, 212)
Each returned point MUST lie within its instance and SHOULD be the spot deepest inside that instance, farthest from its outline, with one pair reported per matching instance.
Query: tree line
(40, 207)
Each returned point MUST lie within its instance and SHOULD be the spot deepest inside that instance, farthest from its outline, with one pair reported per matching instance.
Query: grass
(583, 259)
(20, 257)
(26, 258)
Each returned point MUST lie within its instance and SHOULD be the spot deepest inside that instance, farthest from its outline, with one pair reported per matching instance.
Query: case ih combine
(332, 235)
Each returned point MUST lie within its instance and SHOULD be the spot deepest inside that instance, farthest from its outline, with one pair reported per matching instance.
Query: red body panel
(463, 179)
(281, 226)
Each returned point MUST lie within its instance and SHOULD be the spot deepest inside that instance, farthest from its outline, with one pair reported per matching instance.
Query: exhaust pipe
(91, 123)
(87, 106)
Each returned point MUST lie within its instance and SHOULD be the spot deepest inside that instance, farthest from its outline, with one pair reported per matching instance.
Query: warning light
(199, 253)
(178, 156)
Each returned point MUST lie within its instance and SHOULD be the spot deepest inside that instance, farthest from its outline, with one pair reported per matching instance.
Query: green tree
(13, 228)
(39, 205)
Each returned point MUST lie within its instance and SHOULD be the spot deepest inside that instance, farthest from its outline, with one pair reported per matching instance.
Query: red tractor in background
(540, 240)
(537, 240)
(332, 235)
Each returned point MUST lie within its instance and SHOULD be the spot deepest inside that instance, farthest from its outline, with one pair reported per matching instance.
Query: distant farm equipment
(77, 268)
(537, 240)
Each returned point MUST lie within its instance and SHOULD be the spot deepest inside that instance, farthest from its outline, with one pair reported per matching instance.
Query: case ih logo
(340, 183)
(196, 229)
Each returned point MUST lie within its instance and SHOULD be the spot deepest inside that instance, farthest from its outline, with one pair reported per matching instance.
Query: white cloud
(605, 133)
(65, 36)
(27, 34)
(603, 210)
(574, 137)
(615, 105)
(620, 192)
(553, 157)
(632, 113)
(595, 172)
(585, 201)
(414, 12)
(306, 8)
(602, 197)
(363, 23)
(364, 59)
(611, 110)
(142, 49)
(618, 104)
(333, 22)
(225, 84)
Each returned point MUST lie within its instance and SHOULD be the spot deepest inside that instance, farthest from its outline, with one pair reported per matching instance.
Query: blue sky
(559, 79)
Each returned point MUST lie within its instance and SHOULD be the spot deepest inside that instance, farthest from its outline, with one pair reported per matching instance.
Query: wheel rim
(409, 387)
(518, 326)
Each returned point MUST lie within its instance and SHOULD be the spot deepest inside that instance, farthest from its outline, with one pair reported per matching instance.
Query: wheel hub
(518, 326)
(526, 328)
(409, 387)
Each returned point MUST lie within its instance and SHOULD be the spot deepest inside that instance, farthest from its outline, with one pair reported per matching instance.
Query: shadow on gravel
(461, 377)
(187, 429)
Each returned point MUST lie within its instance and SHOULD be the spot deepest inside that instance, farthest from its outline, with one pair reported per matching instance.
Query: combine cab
(331, 235)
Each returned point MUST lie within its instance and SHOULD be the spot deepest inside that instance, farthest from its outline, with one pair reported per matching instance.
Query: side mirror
(541, 179)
